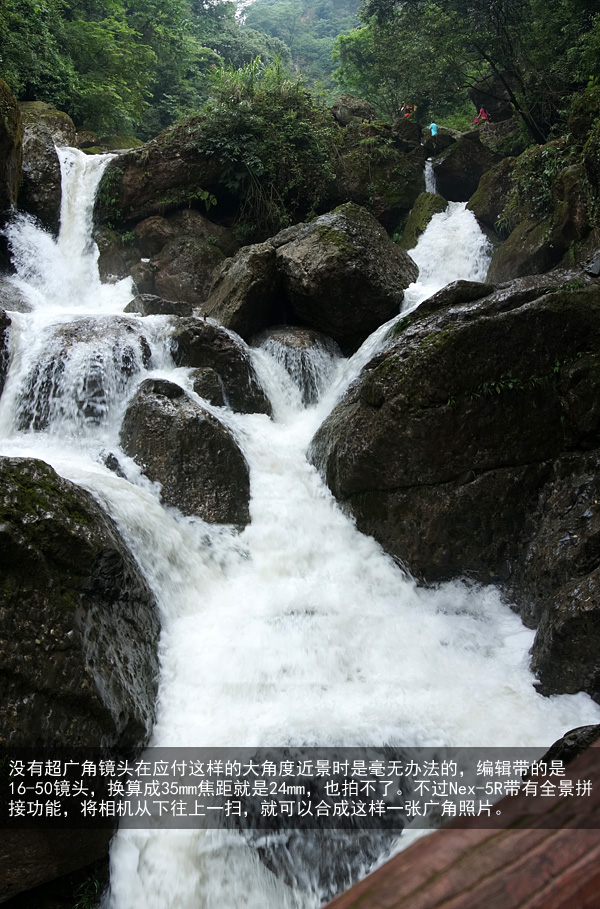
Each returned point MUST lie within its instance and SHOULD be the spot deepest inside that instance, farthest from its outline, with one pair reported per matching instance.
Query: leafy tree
(276, 141)
(527, 45)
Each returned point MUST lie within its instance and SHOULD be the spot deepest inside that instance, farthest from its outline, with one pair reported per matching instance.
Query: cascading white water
(298, 631)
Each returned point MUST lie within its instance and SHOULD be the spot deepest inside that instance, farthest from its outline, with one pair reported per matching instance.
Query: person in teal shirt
(433, 130)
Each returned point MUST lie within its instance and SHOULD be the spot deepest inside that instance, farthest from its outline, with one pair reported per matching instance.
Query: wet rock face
(469, 445)
(459, 169)
(78, 622)
(308, 356)
(189, 452)
(104, 353)
(426, 206)
(200, 344)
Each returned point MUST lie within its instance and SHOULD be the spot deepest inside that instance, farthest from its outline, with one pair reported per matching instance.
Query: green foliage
(309, 29)
(537, 52)
(276, 141)
(87, 894)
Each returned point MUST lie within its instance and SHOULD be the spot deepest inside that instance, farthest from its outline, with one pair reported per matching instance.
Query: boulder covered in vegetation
(459, 169)
(380, 170)
(11, 150)
(490, 460)
(178, 444)
(199, 344)
(426, 206)
(540, 203)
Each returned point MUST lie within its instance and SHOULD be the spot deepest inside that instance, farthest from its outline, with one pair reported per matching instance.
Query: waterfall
(430, 183)
(299, 630)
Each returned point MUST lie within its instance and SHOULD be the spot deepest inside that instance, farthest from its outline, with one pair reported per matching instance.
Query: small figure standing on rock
(433, 130)
(482, 117)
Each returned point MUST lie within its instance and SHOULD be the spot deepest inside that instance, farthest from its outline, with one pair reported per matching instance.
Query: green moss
(426, 206)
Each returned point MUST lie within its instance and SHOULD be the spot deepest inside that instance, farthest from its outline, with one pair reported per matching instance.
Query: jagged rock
(407, 133)
(11, 150)
(342, 274)
(466, 486)
(153, 234)
(426, 206)
(189, 452)
(151, 305)
(348, 108)
(200, 344)
(245, 295)
(459, 169)
(100, 354)
(183, 270)
(308, 356)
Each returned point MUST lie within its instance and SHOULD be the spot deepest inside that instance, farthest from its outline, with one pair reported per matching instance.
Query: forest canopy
(535, 52)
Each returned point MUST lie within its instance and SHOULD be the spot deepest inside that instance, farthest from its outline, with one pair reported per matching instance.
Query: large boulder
(179, 251)
(78, 621)
(182, 271)
(342, 274)
(11, 150)
(40, 193)
(57, 122)
(246, 295)
(348, 108)
(161, 176)
(494, 192)
(199, 344)
(426, 206)
(459, 169)
(178, 444)
(152, 305)
(452, 470)
(79, 638)
(339, 274)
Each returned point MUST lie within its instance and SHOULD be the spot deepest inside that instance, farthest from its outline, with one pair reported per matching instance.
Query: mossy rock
(116, 143)
(426, 206)
(584, 114)
(11, 148)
